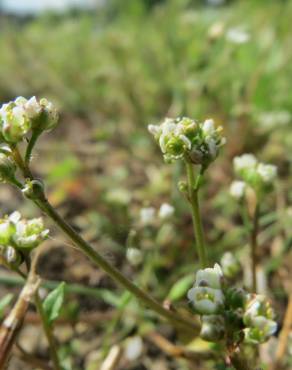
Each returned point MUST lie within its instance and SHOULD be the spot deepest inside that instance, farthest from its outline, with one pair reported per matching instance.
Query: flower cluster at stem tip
(20, 116)
(184, 138)
(229, 312)
(253, 174)
(18, 236)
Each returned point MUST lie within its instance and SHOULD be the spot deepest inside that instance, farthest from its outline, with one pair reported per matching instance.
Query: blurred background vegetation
(112, 70)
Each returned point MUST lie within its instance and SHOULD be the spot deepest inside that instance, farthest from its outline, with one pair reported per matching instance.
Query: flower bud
(213, 328)
(34, 189)
(7, 168)
(134, 256)
(210, 277)
(230, 265)
(165, 211)
(7, 229)
(12, 257)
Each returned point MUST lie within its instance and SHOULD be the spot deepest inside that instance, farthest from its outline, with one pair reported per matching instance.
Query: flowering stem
(193, 189)
(254, 247)
(41, 201)
(98, 260)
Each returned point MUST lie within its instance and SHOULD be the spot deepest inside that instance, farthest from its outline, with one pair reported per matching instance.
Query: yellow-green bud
(7, 168)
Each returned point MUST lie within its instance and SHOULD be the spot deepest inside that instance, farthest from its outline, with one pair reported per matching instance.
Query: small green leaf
(5, 302)
(181, 287)
(53, 303)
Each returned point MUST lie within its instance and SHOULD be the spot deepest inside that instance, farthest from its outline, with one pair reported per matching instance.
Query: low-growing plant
(231, 316)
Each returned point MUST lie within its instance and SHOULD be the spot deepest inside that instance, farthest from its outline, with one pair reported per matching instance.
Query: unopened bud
(213, 328)
(34, 189)
(7, 168)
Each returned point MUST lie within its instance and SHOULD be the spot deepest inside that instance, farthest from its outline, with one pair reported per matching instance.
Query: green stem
(20, 163)
(193, 189)
(34, 137)
(98, 260)
(254, 247)
(48, 332)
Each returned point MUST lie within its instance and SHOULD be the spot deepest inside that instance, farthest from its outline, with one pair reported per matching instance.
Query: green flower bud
(230, 265)
(13, 257)
(213, 328)
(236, 298)
(8, 228)
(7, 168)
(34, 189)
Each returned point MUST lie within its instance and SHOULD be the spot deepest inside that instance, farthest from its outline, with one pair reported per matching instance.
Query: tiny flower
(268, 172)
(206, 301)
(134, 256)
(237, 35)
(258, 318)
(147, 215)
(230, 265)
(244, 162)
(29, 233)
(237, 189)
(14, 123)
(213, 328)
(165, 211)
(210, 277)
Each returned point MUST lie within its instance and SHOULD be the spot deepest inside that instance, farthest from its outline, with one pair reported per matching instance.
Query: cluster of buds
(18, 236)
(229, 312)
(20, 116)
(258, 319)
(254, 174)
(184, 138)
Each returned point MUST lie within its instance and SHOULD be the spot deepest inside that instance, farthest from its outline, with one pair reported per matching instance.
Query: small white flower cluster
(148, 214)
(21, 234)
(20, 116)
(237, 35)
(185, 138)
(257, 175)
(220, 305)
(208, 300)
(259, 320)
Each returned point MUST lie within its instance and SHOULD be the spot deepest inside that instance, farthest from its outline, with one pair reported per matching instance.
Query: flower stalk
(193, 197)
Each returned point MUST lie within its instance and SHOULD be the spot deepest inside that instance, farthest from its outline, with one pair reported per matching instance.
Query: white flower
(207, 301)
(134, 256)
(30, 233)
(134, 348)
(268, 172)
(210, 277)
(208, 127)
(237, 35)
(165, 211)
(147, 215)
(237, 189)
(245, 161)
(32, 107)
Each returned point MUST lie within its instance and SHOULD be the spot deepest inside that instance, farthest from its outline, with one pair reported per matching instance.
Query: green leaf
(5, 302)
(53, 303)
(180, 288)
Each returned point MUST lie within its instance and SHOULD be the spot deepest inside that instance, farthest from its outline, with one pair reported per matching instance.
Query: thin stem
(34, 137)
(19, 161)
(254, 246)
(48, 331)
(98, 260)
(193, 197)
